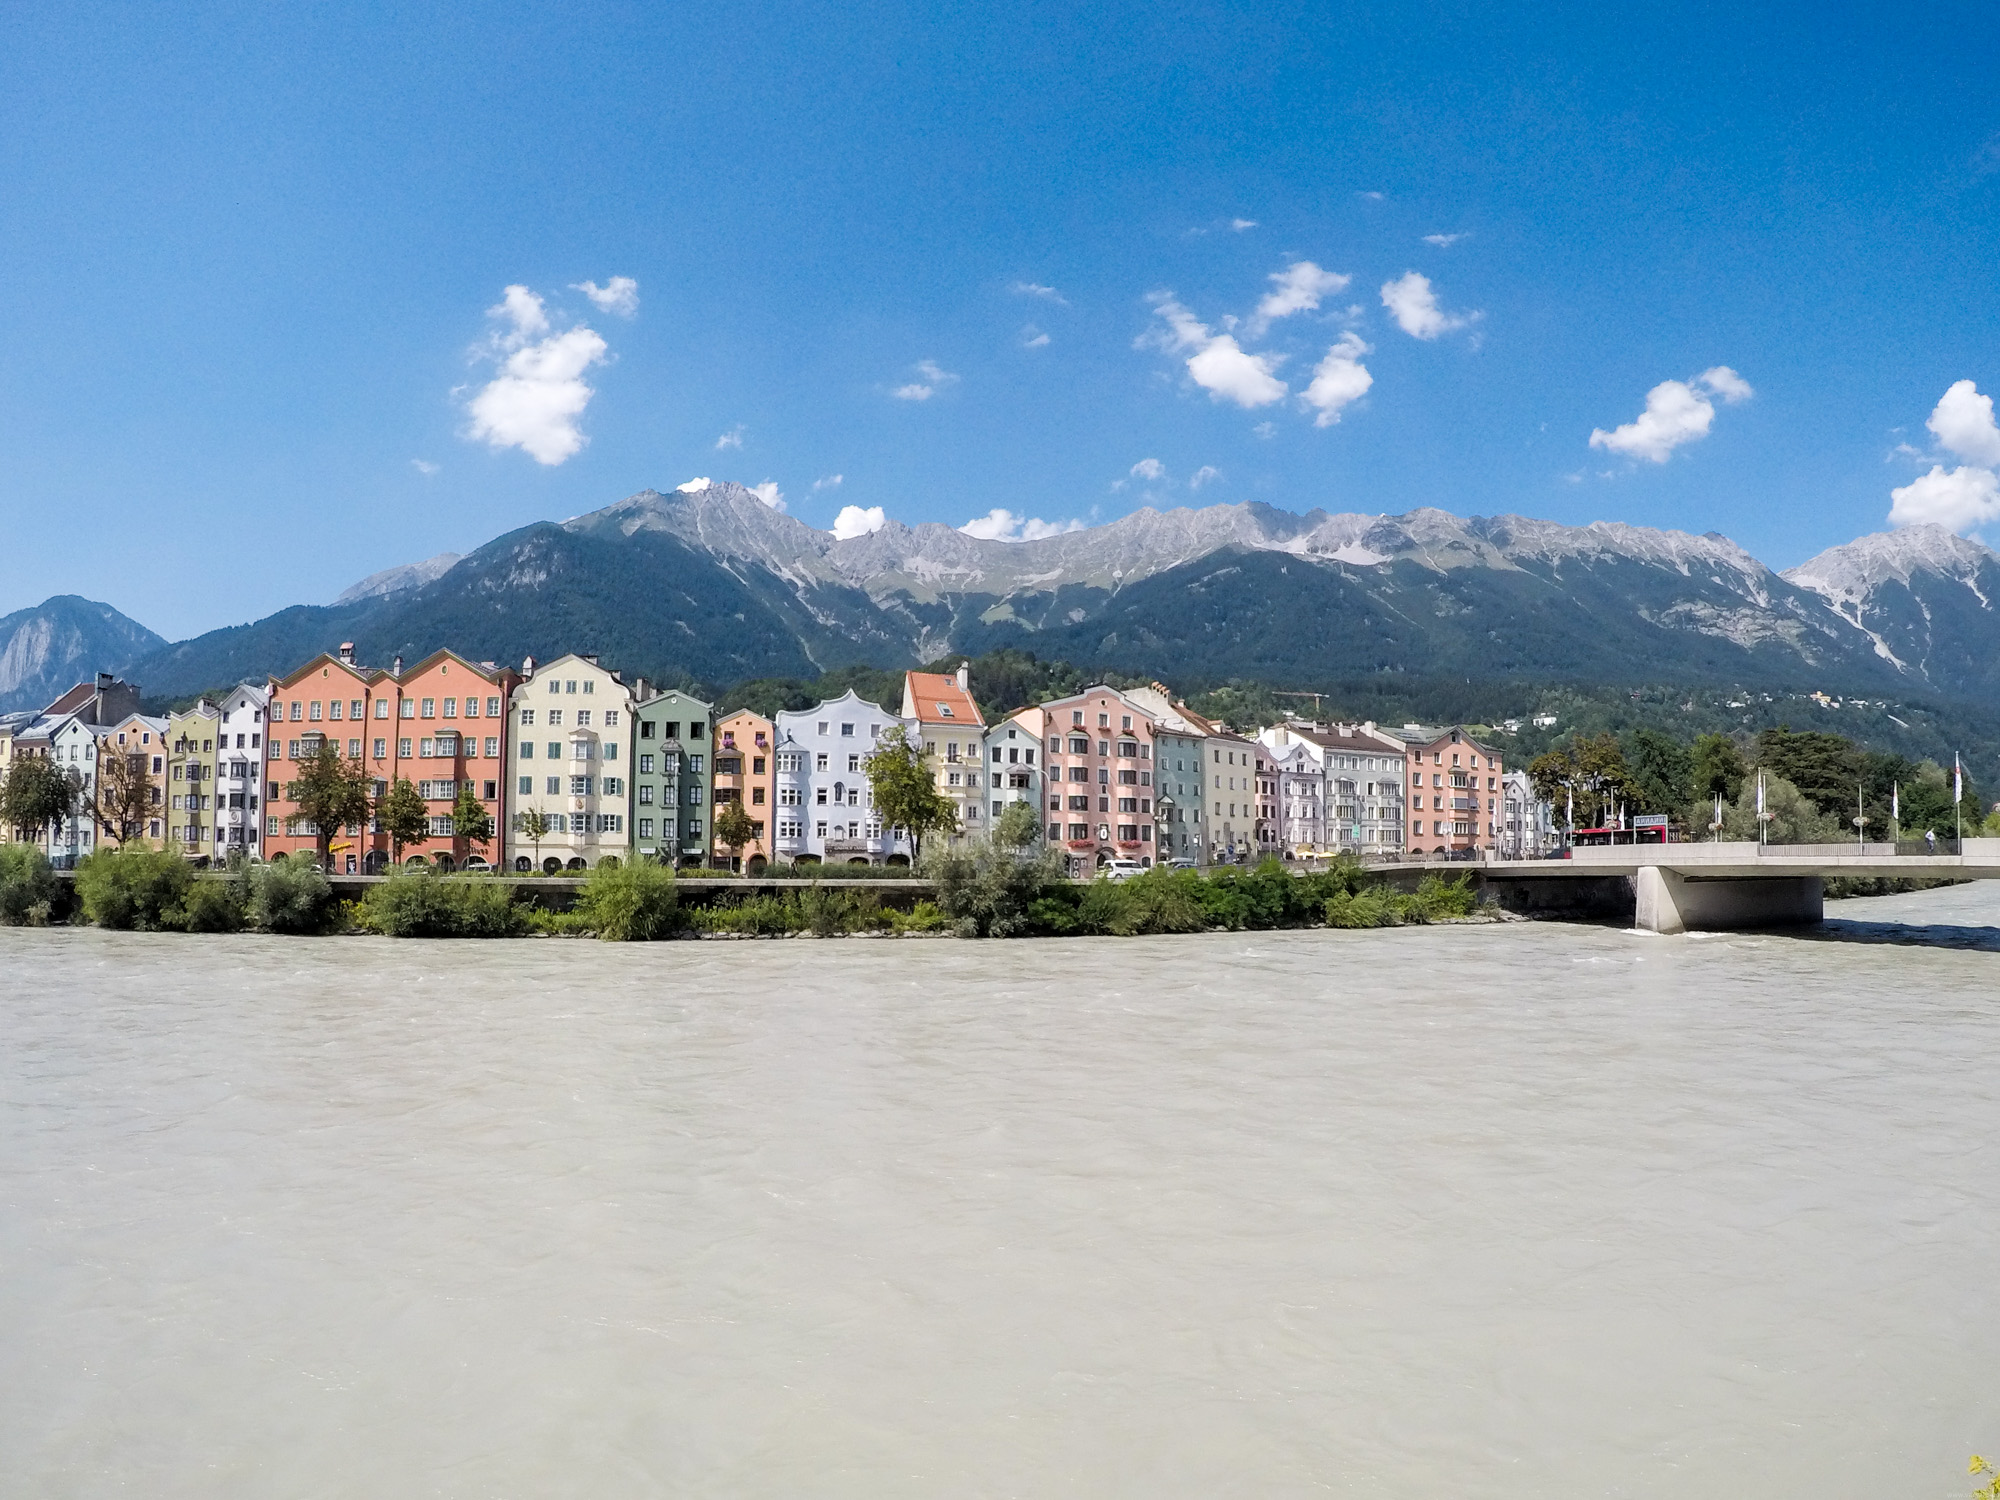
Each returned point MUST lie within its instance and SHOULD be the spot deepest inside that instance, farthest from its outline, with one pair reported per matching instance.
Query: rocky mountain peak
(1853, 571)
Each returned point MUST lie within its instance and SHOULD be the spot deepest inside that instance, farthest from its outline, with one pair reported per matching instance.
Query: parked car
(1123, 869)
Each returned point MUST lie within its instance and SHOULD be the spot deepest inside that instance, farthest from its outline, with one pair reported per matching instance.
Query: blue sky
(247, 257)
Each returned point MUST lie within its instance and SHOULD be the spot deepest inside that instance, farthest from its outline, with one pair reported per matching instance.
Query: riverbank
(978, 892)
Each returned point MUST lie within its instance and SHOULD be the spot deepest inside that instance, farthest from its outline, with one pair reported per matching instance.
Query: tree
(1794, 819)
(469, 818)
(1662, 773)
(1594, 770)
(36, 794)
(734, 827)
(1827, 768)
(404, 816)
(533, 825)
(905, 788)
(123, 794)
(330, 791)
(1019, 825)
(1716, 769)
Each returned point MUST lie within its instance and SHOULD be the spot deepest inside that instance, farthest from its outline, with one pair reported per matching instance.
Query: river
(1518, 1210)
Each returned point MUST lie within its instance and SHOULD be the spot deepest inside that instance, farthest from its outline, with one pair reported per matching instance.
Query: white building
(1300, 768)
(571, 721)
(826, 807)
(74, 746)
(1013, 769)
(1527, 821)
(1364, 787)
(239, 770)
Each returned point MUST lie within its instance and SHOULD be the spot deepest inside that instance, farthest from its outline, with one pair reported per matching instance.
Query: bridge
(1714, 886)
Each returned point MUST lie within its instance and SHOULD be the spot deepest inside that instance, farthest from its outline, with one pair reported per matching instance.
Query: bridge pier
(1667, 902)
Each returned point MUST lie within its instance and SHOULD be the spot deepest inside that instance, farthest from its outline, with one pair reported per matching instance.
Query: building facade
(1527, 820)
(571, 752)
(1178, 780)
(73, 744)
(1014, 763)
(239, 771)
(191, 781)
(1454, 791)
(1363, 766)
(1240, 824)
(824, 804)
(670, 756)
(142, 740)
(745, 759)
(1098, 753)
(942, 715)
(1299, 770)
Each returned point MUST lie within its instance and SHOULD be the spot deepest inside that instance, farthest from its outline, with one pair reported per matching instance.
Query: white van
(1123, 869)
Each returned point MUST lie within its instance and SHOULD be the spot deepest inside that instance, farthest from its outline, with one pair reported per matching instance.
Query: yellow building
(948, 724)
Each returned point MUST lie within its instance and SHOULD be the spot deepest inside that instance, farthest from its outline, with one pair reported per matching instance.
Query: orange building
(143, 741)
(438, 724)
(745, 772)
(1455, 792)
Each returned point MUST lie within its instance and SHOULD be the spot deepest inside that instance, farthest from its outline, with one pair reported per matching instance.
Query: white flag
(1760, 794)
(1896, 800)
(1957, 781)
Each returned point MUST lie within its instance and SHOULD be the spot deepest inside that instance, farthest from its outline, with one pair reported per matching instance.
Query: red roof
(936, 698)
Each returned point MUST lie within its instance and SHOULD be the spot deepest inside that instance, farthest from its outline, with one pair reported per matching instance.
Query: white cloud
(1372, 197)
(853, 521)
(423, 466)
(1414, 306)
(534, 402)
(769, 493)
(1443, 241)
(1266, 429)
(1206, 474)
(1036, 289)
(1339, 380)
(934, 380)
(1002, 525)
(1958, 498)
(1963, 422)
(1676, 412)
(1219, 364)
(619, 295)
(730, 439)
(1033, 338)
(1148, 468)
(1239, 225)
(1726, 383)
(1297, 288)
(827, 482)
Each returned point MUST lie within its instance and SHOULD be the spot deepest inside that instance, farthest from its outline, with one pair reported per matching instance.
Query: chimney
(527, 667)
(639, 692)
(965, 677)
(347, 653)
(397, 669)
(590, 657)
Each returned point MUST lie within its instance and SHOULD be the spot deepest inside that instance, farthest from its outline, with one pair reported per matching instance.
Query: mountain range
(708, 584)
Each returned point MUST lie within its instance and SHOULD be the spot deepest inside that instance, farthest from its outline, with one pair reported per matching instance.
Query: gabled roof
(935, 698)
(72, 700)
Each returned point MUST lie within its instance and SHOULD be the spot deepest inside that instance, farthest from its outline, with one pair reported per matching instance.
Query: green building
(671, 766)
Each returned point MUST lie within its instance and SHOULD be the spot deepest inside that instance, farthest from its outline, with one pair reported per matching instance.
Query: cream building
(570, 723)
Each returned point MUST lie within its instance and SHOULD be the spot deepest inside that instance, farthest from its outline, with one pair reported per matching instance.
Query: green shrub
(925, 916)
(833, 913)
(758, 916)
(29, 891)
(1370, 908)
(630, 903)
(291, 897)
(988, 890)
(212, 905)
(424, 905)
(133, 888)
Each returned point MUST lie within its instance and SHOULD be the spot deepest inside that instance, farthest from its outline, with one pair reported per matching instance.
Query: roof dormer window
(944, 710)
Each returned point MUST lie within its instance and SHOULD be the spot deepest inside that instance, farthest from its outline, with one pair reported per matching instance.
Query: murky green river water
(1492, 1211)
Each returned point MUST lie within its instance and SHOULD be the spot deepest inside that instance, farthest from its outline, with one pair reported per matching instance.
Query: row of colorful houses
(573, 765)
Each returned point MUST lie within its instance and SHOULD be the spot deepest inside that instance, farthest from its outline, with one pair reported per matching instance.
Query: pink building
(1098, 787)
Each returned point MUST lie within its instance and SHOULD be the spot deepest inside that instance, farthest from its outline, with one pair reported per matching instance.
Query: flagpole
(1958, 796)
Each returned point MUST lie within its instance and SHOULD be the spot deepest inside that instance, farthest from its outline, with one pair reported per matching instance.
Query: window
(611, 822)
(672, 730)
(645, 828)
(492, 748)
(527, 749)
(756, 796)
(555, 716)
(589, 686)
(614, 786)
(610, 718)
(847, 731)
(820, 761)
(579, 786)
(583, 718)
(451, 708)
(403, 749)
(427, 748)
(552, 786)
(854, 762)
(645, 795)
(611, 749)
(527, 786)
(554, 750)
(441, 828)
(409, 708)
